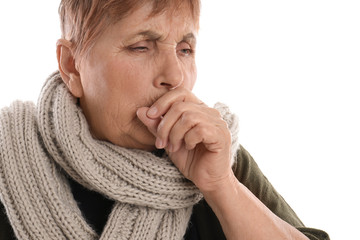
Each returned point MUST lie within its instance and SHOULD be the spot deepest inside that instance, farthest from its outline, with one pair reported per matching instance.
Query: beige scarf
(38, 146)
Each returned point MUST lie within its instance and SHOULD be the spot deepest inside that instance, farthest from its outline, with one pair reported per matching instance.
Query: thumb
(150, 123)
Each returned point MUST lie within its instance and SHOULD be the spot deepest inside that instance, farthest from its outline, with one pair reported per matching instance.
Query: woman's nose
(170, 72)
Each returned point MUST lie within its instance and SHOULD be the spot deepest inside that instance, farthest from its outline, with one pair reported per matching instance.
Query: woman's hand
(199, 143)
(194, 135)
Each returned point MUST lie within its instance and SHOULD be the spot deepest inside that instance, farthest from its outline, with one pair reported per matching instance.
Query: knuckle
(215, 113)
(184, 91)
(202, 130)
(177, 106)
(224, 123)
(187, 118)
(190, 142)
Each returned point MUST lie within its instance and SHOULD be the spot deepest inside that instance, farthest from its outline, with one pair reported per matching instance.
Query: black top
(94, 206)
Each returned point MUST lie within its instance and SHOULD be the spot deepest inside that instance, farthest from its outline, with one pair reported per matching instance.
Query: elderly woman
(118, 147)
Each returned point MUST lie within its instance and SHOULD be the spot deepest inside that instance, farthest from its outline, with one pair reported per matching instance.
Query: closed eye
(142, 46)
(139, 49)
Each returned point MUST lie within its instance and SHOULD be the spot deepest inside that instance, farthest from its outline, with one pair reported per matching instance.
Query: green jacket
(249, 174)
(208, 226)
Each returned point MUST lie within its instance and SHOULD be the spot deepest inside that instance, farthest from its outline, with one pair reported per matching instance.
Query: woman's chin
(147, 143)
(143, 146)
(144, 140)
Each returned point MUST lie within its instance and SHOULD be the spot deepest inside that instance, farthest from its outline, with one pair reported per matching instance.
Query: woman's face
(131, 65)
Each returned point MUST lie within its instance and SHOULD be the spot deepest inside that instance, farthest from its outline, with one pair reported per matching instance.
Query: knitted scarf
(40, 147)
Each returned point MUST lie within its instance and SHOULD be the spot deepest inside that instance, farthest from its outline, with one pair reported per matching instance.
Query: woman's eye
(185, 49)
(139, 49)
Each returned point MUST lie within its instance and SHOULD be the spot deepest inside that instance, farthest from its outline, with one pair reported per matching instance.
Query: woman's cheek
(190, 77)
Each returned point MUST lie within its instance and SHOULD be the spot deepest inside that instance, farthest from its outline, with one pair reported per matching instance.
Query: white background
(289, 69)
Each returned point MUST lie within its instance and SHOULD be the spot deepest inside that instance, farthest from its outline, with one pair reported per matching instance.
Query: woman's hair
(83, 21)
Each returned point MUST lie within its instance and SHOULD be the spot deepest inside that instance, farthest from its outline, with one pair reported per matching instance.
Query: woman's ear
(67, 68)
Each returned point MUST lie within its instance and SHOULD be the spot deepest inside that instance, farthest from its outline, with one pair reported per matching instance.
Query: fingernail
(159, 143)
(152, 111)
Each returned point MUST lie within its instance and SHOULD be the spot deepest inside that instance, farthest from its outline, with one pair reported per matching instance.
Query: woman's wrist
(256, 221)
(222, 193)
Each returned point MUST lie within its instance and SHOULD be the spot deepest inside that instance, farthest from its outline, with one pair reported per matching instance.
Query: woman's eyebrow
(153, 36)
(190, 37)
(148, 34)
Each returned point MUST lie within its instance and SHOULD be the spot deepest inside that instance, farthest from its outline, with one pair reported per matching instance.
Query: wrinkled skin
(144, 62)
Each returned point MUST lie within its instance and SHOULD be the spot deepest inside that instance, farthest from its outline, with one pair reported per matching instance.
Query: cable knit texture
(40, 145)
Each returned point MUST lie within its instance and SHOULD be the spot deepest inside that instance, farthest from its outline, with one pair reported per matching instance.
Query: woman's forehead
(142, 24)
(170, 12)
